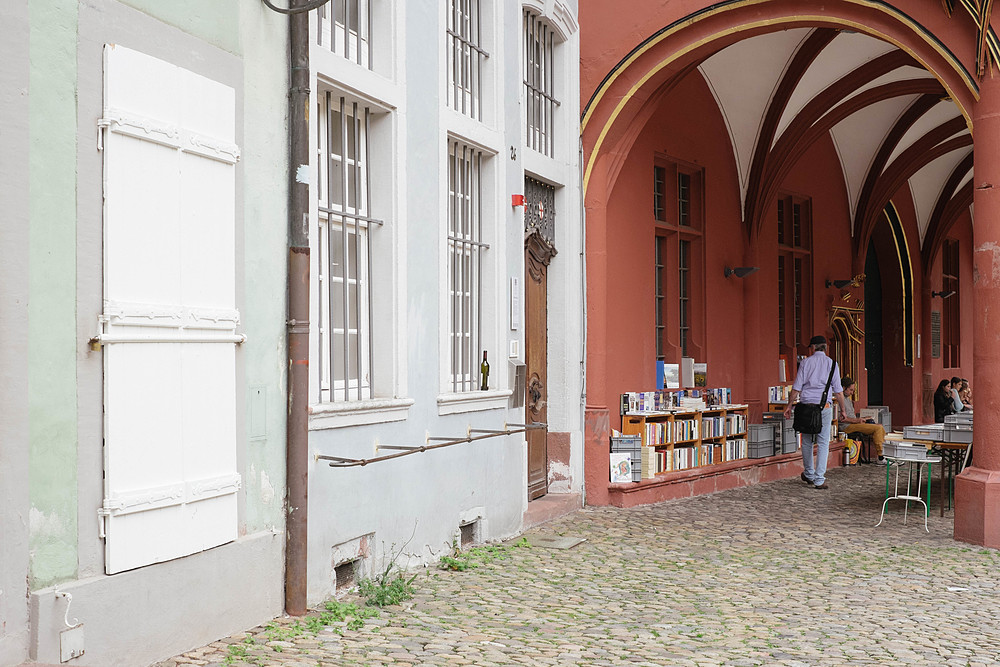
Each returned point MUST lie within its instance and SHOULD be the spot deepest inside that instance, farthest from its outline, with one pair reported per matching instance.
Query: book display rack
(680, 439)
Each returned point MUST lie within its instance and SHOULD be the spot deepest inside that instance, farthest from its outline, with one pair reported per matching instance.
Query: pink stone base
(710, 479)
(977, 507)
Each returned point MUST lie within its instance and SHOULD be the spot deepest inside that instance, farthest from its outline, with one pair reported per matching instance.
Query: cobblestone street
(774, 574)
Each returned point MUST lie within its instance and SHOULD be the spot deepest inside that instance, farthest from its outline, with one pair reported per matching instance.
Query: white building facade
(429, 124)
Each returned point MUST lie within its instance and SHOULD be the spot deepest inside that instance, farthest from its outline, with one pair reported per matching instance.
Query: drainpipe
(297, 436)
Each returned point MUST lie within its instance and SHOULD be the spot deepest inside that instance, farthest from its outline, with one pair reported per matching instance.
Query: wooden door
(537, 254)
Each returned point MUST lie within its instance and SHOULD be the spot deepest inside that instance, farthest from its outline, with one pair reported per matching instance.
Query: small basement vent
(345, 574)
(469, 533)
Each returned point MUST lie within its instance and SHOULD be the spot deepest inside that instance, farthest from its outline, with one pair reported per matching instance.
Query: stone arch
(617, 101)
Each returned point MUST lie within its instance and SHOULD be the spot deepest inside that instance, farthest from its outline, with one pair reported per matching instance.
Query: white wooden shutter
(169, 326)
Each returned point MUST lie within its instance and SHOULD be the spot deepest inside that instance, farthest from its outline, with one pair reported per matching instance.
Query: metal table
(896, 464)
(954, 456)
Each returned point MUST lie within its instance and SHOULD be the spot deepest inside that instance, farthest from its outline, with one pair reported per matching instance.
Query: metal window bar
(540, 208)
(684, 199)
(467, 56)
(659, 194)
(660, 254)
(465, 248)
(406, 450)
(797, 292)
(781, 300)
(797, 225)
(539, 68)
(356, 223)
(683, 271)
(346, 17)
(781, 221)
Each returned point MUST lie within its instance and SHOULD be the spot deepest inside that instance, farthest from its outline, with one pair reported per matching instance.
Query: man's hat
(817, 340)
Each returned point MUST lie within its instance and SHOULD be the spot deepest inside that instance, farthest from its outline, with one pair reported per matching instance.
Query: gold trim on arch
(908, 325)
(859, 27)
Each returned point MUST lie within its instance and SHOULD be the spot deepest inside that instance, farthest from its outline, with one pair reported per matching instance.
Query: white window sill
(358, 413)
(473, 401)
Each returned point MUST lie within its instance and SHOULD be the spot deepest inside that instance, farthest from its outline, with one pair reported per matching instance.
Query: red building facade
(818, 142)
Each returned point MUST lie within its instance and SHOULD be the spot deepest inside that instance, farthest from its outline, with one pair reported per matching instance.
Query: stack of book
(779, 394)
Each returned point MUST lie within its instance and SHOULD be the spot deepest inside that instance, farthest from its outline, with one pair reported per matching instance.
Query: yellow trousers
(876, 431)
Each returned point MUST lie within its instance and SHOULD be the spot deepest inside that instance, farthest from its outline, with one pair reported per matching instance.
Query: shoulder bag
(808, 417)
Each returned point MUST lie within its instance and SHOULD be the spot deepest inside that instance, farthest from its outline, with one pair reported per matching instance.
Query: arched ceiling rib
(845, 53)
(927, 184)
(858, 137)
(743, 79)
(782, 91)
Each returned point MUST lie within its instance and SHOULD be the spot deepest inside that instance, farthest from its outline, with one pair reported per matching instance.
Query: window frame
(334, 389)
(794, 224)
(679, 290)
(466, 279)
(340, 37)
(951, 330)
(538, 70)
(466, 44)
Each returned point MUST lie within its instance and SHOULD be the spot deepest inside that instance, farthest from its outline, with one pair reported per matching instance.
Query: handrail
(406, 450)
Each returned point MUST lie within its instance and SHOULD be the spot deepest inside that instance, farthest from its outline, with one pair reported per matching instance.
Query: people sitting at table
(965, 394)
(944, 405)
(851, 423)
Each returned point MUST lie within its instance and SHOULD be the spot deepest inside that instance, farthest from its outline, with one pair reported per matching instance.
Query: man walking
(810, 381)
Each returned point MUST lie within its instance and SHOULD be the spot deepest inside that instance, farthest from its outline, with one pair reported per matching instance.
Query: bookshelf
(683, 439)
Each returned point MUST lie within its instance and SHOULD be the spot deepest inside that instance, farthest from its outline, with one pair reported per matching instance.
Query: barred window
(951, 308)
(344, 250)
(794, 258)
(466, 57)
(539, 90)
(345, 27)
(466, 251)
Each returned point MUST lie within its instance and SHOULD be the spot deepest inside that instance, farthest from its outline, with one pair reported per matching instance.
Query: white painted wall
(13, 327)
(411, 508)
(151, 613)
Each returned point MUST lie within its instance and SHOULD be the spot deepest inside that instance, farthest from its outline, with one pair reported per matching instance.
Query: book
(687, 372)
(621, 467)
(671, 376)
(701, 375)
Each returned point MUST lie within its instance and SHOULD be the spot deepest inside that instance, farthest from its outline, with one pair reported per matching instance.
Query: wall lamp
(741, 271)
(838, 283)
(943, 294)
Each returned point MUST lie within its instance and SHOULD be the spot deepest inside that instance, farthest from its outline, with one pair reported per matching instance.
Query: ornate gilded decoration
(986, 39)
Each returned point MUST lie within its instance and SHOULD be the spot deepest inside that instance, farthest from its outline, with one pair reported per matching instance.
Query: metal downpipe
(297, 435)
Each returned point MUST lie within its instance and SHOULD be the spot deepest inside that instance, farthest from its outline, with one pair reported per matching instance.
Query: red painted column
(597, 416)
(977, 489)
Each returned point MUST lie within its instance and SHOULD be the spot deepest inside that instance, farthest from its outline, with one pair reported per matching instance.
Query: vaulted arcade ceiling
(892, 123)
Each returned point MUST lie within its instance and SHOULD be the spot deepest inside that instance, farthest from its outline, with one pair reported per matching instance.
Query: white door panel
(170, 324)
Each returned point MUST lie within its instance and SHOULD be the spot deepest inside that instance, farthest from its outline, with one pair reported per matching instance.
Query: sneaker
(824, 485)
(880, 461)
(805, 479)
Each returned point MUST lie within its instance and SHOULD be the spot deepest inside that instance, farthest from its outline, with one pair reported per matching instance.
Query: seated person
(851, 423)
(943, 403)
(965, 393)
(956, 384)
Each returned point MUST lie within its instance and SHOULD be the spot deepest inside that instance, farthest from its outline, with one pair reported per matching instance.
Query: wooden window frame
(951, 315)
(795, 302)
(679, 293)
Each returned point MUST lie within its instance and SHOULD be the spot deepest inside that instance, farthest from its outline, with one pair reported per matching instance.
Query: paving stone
(772, 574)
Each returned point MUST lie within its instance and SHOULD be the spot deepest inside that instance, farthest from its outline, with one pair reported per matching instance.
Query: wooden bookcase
(684, 439)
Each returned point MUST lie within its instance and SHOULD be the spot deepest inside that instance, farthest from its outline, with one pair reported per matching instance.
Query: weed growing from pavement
(460, 560)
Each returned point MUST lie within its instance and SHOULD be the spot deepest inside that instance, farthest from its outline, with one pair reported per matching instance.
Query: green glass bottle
(484, 373)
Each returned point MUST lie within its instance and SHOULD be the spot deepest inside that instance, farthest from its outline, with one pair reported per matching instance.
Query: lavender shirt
(811, 378)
